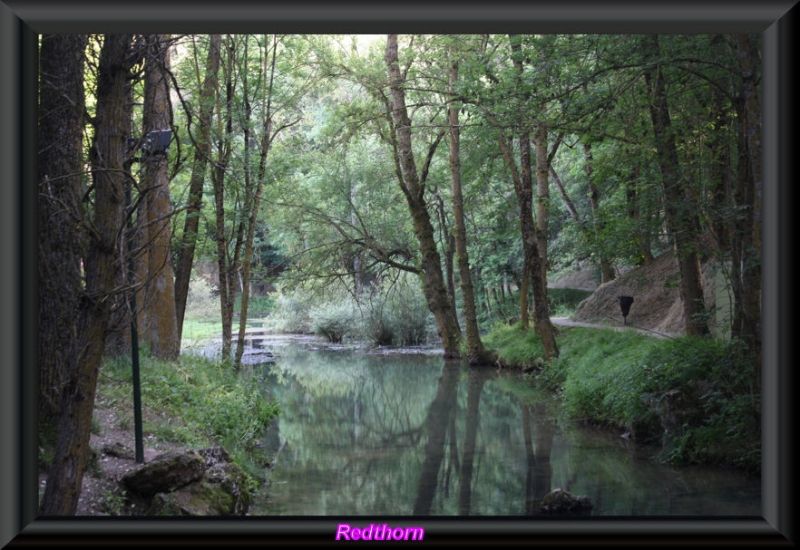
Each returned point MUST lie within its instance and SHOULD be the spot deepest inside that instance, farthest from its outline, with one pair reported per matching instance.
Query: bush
(409, 316)
(333, 320)
(376, 325)
(291, 315)
(397, 314)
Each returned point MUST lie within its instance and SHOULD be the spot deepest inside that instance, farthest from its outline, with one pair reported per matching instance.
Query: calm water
(411, 434)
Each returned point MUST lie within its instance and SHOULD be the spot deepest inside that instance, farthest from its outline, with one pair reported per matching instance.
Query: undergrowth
(695, 397)
(193, 402)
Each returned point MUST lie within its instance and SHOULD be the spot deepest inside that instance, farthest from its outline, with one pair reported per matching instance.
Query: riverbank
(693, 397)
(191, 403)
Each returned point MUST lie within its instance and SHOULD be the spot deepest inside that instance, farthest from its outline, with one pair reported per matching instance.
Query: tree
(476, 353)
(227, 263)
(534, 259)
(680, 212)
(101, 234)
(254, 190)
(202, 153)
(412, 184)
(60, 164)
(160, 299)
(746, 234)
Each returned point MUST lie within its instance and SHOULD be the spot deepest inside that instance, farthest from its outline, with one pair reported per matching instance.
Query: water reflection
(415, 435)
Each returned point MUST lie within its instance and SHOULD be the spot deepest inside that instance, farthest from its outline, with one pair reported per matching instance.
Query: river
(405, 433)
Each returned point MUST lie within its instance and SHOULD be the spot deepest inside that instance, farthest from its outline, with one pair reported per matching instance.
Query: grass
(694, 397)
(198, 330)
(193, 402)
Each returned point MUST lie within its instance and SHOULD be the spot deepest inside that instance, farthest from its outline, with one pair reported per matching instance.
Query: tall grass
(692, 396)
(194, 401)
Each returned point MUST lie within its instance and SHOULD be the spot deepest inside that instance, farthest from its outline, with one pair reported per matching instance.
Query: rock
(222, 492)
(167, 472)
(561, 502)
(191, 483)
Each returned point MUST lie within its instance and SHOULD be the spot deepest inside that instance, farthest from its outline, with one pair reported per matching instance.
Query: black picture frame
(21, 21)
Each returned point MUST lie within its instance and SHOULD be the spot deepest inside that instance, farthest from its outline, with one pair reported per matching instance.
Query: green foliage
(194, 401)
(693, 396)
(201, 329)
(719, 409)
(392, 313)
(115, 502)
(258, 306)
(563, 301)
(334, 320)
(291, 313)
(516, 347)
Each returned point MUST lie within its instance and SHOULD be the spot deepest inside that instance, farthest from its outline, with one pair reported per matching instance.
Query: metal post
(137, 391)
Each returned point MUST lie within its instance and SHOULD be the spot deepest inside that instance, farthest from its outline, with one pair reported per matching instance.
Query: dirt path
(611, 324)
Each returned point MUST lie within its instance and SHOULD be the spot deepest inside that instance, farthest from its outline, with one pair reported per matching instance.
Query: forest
(368, 178)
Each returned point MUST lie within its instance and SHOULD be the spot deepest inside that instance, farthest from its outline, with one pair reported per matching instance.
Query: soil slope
(657, 305)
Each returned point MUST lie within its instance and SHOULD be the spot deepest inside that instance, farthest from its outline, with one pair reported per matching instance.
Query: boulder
(191, 483)
(167, 472)
(560, 502)
(221, 493)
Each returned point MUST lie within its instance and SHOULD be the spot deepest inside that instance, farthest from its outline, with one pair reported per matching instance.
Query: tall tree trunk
(476, 354)
(541, 306)
(202, 152)
(680, 214)
(225, 273)
(413, 187)
(266, 140)
(163, 330)
(65, 476)
(449, 248)
(60, 165)
(533, 263)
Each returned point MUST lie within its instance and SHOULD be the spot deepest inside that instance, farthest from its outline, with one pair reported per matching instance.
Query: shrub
(692, 395)
(197, 400)
(334, 320)
(516, 347)
(396, 314)
(375, 325)
(291, 315)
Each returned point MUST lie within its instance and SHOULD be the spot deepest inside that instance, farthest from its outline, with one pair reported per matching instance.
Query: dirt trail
(657, 309)
(567, 322)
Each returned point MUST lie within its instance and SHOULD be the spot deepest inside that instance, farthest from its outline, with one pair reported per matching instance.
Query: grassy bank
(691, 396)
(193, 402)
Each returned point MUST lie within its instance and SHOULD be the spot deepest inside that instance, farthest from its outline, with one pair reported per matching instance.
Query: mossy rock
(221, 492)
